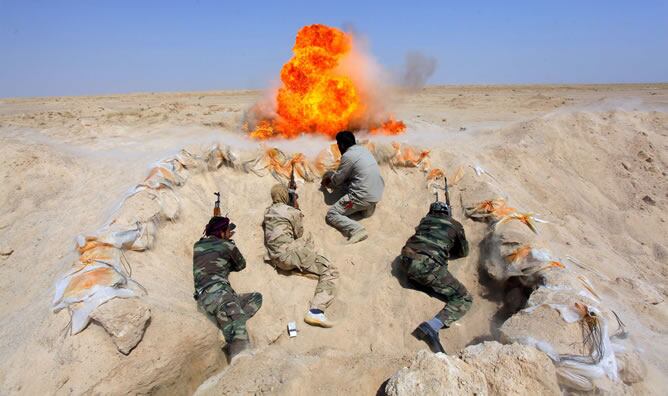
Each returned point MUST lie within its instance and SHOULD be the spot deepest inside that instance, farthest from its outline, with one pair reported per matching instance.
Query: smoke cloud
(417, 70)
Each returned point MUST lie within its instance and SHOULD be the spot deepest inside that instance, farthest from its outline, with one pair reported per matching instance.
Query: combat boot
(427, 334)
(237, 349)
(359, 236)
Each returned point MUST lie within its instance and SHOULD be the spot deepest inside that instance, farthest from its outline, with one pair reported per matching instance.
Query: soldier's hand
(326, 180)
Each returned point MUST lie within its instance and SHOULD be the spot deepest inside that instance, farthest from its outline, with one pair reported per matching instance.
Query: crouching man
(214, 256)
(359, 172)
(288, 251)
(437, 239)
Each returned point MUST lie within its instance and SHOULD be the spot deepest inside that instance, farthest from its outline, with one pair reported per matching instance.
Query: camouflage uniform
(437, 239)
(213, 260)
(288, 251)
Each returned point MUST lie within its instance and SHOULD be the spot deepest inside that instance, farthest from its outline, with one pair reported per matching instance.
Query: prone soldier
(215, 255)
(437, 239)
(288, 250)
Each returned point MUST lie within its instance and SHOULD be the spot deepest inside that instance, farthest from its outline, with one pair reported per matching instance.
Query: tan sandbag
(190, 161)
(219, 155)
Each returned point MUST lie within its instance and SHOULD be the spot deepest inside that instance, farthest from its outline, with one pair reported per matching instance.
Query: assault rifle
(447, 208)
(292, 189)
(216, 207)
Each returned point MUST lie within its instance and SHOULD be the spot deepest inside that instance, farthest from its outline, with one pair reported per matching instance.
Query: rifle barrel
(447, 193)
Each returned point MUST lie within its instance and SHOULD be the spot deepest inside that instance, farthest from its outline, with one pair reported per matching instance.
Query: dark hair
(345, 140)
(216, 225)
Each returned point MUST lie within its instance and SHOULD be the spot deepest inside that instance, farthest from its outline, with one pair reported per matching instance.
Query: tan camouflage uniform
(288, 250)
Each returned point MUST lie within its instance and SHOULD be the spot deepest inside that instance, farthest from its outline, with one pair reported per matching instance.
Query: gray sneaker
(359, 236)
(237, 349)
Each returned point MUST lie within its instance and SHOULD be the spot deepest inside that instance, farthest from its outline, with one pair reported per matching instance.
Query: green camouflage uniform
(288, 251)
(437, 239)
(213, 260)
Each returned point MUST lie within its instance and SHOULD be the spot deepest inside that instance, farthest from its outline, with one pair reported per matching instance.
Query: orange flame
(525, 218)
(519, 254)
(315, 95)
(408, 156)
(494, 207)
(556, 264)
(389, 127)
(435, 173)
(281, 166)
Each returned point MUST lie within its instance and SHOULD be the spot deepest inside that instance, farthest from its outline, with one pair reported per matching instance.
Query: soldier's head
(345, 140)
(220, 227)
(280, 194)
(440, 209)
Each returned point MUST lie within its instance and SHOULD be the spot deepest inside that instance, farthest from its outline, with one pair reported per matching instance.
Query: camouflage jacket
(440, 237)
(214, 259)
(282, 226)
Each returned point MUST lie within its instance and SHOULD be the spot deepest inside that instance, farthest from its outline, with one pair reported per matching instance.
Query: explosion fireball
(317, 94)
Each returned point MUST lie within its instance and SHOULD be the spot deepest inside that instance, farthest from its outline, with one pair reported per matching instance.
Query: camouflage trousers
(300, 256)
(338, 214)
(230, 309)
(428, 273)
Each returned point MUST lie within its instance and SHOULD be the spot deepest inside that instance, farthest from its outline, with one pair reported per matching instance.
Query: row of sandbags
(563, 314)
(100, 272)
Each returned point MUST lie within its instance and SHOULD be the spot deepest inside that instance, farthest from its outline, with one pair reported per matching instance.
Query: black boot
(236, 349)
(427, 334)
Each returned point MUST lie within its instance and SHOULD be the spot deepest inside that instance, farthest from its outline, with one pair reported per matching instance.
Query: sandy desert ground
(591, 160)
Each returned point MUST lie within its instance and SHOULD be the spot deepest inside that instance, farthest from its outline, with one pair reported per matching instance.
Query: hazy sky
(96, 47)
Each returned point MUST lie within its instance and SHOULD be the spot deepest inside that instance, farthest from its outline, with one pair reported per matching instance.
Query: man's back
(439, 237)
(213, 260)
(282, 225)
(362, 172)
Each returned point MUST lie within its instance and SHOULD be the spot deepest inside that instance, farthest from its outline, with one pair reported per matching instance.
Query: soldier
(214, 256)
(287, 250)
(437, 239)
(358, 170)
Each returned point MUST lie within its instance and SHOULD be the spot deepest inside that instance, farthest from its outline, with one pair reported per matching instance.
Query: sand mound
(488, 368)
(437, 374)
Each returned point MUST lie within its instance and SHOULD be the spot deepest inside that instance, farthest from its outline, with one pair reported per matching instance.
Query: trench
(376, 310)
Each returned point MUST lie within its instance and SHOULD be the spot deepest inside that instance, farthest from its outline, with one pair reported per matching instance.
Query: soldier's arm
(297, 224)
(343, 173)
(461, 247)
(237, 259)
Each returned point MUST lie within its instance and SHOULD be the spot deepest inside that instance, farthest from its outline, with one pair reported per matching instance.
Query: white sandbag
(81, 311)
